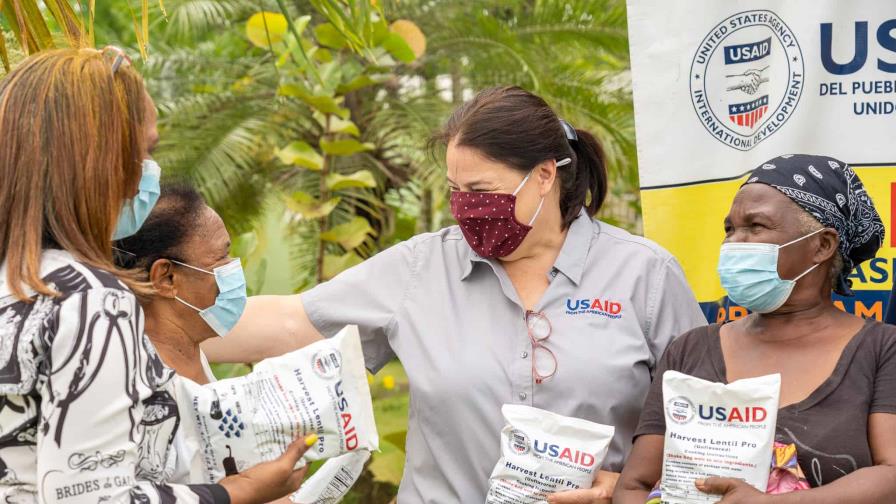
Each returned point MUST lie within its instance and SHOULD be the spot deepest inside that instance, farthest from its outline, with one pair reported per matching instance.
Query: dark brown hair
(172, 223)
(73, 137)
(515, 127)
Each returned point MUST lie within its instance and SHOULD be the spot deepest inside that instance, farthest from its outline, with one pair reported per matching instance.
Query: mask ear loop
(801, 275)
(801, 238)
(188, 304)
(563, 162)
(520, 187)
(193, 267)
(197, 269)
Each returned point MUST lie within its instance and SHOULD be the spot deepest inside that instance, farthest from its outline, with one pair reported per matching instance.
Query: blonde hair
(73, 139)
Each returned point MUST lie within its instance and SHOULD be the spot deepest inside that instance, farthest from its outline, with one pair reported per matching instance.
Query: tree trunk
(323, 222)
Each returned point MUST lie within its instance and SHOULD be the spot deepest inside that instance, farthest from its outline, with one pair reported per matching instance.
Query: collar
(570, 261)
(574, 253)
(469, 258)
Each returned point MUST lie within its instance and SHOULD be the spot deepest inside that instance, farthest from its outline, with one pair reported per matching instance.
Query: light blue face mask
(135, 211)
(749, 272)
(231, 300)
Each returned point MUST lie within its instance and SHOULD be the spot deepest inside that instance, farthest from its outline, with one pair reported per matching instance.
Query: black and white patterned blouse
(85, 409)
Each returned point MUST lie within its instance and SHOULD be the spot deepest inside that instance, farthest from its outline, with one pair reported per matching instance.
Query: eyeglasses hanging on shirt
(544, 362)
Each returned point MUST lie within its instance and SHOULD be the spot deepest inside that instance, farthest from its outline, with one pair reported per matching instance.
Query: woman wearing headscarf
(795, 231)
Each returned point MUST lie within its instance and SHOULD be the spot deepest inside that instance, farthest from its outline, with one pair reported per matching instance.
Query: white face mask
(749, 273)
(231, 300)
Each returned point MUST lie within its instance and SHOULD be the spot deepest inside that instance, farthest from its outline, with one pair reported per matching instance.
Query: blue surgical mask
(231, 301)
(135, 210)
(749, 272)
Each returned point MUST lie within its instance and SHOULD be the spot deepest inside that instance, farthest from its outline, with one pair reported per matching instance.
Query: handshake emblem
(749, 82)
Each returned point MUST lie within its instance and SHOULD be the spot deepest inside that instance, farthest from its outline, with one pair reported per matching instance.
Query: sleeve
(672, 308)
(883, 399)
(93, 444)
(368, 295)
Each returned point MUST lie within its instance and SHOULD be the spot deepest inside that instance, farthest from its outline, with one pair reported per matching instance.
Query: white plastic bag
(714, 429)
(320, 389)
(543, 453)
(333, 480)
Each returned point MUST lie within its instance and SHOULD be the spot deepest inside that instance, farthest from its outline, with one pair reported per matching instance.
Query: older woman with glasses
(529, 300)
(795, 231)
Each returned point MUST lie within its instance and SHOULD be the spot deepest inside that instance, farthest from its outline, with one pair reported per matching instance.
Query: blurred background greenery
(305, 123)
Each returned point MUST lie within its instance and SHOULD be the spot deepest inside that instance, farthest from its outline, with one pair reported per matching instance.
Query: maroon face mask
(488, 221)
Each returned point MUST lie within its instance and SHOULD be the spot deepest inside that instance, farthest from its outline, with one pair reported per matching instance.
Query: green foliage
(391, 411)
(350, 234)
(299, 153)
(572, 53)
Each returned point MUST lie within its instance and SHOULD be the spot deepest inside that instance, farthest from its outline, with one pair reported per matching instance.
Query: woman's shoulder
(881, 331)
(448, 242)
(30, 328)
(67, 276)
(446, 237)
(699, 337)
(880, 339)
(692, 347)
(625, 242)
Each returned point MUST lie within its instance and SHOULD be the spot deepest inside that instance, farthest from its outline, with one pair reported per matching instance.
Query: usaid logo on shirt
(594, 306)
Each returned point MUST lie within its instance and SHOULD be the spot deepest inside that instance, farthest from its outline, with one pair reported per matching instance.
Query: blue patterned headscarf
(832, 193)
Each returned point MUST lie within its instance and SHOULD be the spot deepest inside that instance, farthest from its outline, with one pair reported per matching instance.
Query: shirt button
(524, 354)
(522, 396)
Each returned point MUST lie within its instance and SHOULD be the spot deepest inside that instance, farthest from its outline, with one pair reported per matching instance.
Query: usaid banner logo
(747, 78)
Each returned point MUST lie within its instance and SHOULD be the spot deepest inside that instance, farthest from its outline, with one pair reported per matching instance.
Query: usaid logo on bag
(518, 442)
(326, 363)
(680, 410)
(747, 78)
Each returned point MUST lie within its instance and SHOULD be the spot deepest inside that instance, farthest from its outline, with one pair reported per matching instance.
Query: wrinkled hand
(735, 491)
(269, 481)
(600, 493)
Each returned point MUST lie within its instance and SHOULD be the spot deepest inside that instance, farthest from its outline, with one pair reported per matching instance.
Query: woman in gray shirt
(528, 301)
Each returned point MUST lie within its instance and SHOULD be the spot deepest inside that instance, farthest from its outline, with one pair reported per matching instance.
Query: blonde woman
(84, 406)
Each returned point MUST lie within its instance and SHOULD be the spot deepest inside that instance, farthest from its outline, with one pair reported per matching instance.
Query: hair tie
(571, 134)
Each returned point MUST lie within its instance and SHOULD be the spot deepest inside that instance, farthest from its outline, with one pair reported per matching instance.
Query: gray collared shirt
(454, 319)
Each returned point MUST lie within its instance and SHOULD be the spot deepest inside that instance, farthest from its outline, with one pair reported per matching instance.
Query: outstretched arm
(270, 326)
